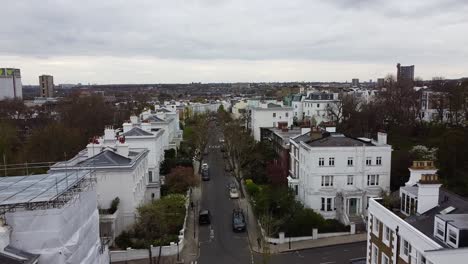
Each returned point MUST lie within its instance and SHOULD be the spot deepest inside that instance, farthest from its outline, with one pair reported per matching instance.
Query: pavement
(190, 252)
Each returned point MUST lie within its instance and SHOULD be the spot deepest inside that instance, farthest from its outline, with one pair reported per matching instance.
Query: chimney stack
(419, 168)
(134, 119)
(381, 138)
(126, 127)
(122, 147)
(428, 192)
(94, 147)
(5, 232)
(315, 133)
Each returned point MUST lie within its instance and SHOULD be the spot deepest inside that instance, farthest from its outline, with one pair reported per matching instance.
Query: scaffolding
(43, 191)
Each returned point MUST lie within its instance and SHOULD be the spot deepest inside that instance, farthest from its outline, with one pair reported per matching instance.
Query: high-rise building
(405, 73)
(380, 82)
(46, 83)
(355, 82)
(10, 83)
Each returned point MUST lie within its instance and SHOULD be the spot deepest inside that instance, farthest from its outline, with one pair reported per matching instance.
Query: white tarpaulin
(69, 234)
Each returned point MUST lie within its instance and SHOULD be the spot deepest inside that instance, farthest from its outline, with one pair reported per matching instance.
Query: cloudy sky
(170, 41)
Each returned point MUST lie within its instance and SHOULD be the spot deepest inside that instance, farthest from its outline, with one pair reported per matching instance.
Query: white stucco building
(336, 175)
(239, 108)
(120, 171)
(429, 227)
(271, 115)
(316, 106)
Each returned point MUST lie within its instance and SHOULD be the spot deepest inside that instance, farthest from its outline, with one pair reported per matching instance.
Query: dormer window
(452, 237)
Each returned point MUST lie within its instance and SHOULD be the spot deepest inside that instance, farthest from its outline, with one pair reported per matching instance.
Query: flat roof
(459, 221)
(38, 188)
(337, 140)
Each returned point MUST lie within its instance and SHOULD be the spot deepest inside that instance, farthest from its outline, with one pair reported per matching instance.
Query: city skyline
(233, 41)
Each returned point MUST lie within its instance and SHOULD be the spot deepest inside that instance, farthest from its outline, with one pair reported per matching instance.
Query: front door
(352, 206)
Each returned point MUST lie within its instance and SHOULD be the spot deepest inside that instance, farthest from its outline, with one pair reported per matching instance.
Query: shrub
(333, 225)
(180, 179)
(124, 240)
(114, 205)
(252, 188)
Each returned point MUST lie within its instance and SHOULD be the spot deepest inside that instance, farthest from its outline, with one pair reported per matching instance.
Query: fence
(282, 239)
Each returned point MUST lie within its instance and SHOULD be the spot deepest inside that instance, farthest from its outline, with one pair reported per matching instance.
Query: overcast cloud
(240, 40)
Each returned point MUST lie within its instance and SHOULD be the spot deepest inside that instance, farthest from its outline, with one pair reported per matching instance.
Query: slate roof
(297, 98)
(272, 105)
(304, 137)
(17, 256)
(153, 119)
(136, 131)
(425, 222)
(320, 96)
(106, 158)
(337, 140)
(164, 110)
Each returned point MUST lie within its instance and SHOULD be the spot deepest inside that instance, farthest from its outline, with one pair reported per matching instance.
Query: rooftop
(136, 132)
(153, 118)
(337, 140)
(320, 96)
(106, 158)
(459, 221)
(38, 188)
(16, 256)
(425, 222)
(286, 133)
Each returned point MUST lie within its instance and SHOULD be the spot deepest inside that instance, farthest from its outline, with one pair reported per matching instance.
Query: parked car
(204, 166)
(221, 140)
(233, 192)
(205, 175)
(204, 217)
(238, 221)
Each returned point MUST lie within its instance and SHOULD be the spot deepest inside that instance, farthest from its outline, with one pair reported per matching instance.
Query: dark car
(204, 217)
(205, 175)
(238, 220)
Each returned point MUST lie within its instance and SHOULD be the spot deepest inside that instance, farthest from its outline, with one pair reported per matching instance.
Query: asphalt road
(218, 243)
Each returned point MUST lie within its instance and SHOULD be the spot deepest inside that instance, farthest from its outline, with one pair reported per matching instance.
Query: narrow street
(218, 243)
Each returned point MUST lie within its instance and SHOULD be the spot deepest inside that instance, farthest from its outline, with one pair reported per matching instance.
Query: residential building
(298, 106)
(336, 175)
(280, 140)
(380, 82)
(10, 83)
(319, 106)
(355, 82)
(46, 84)
(239, 109)
(50, 218)
(435, 107)
(405, 73)
(269, 116)
(120, 172)
(430, 224)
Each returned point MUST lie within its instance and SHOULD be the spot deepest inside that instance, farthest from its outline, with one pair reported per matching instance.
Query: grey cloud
(339, 30)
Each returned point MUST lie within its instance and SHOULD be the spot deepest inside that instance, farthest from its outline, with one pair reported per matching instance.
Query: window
(372, 180)
(452, 237)
(406, 248)
(422, 260)
(321, 162)
(375, 225)
(150, 176)
(375, 254)
(296, 189)
(350, 180)
(326, 204)
(327, 180)
(287, 114)
(386, 235)
(274, 114)
(318, 105)
(350, 161)
(385, 259)
(368, 161)
(440, 231)
(331, 161)
(378, 161)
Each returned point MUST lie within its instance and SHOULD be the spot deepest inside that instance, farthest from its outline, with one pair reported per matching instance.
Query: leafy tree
(9, 141)
(52, 143)
(160, 219)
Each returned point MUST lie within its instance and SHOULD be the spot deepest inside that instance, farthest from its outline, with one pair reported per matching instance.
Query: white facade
(269, 117)
(315, 106)
(337, 179)
(238, 107)
(435, 108)
(10, 84)
(122, 175)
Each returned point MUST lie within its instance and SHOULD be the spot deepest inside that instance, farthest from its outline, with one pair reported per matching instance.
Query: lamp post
(178, 259)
